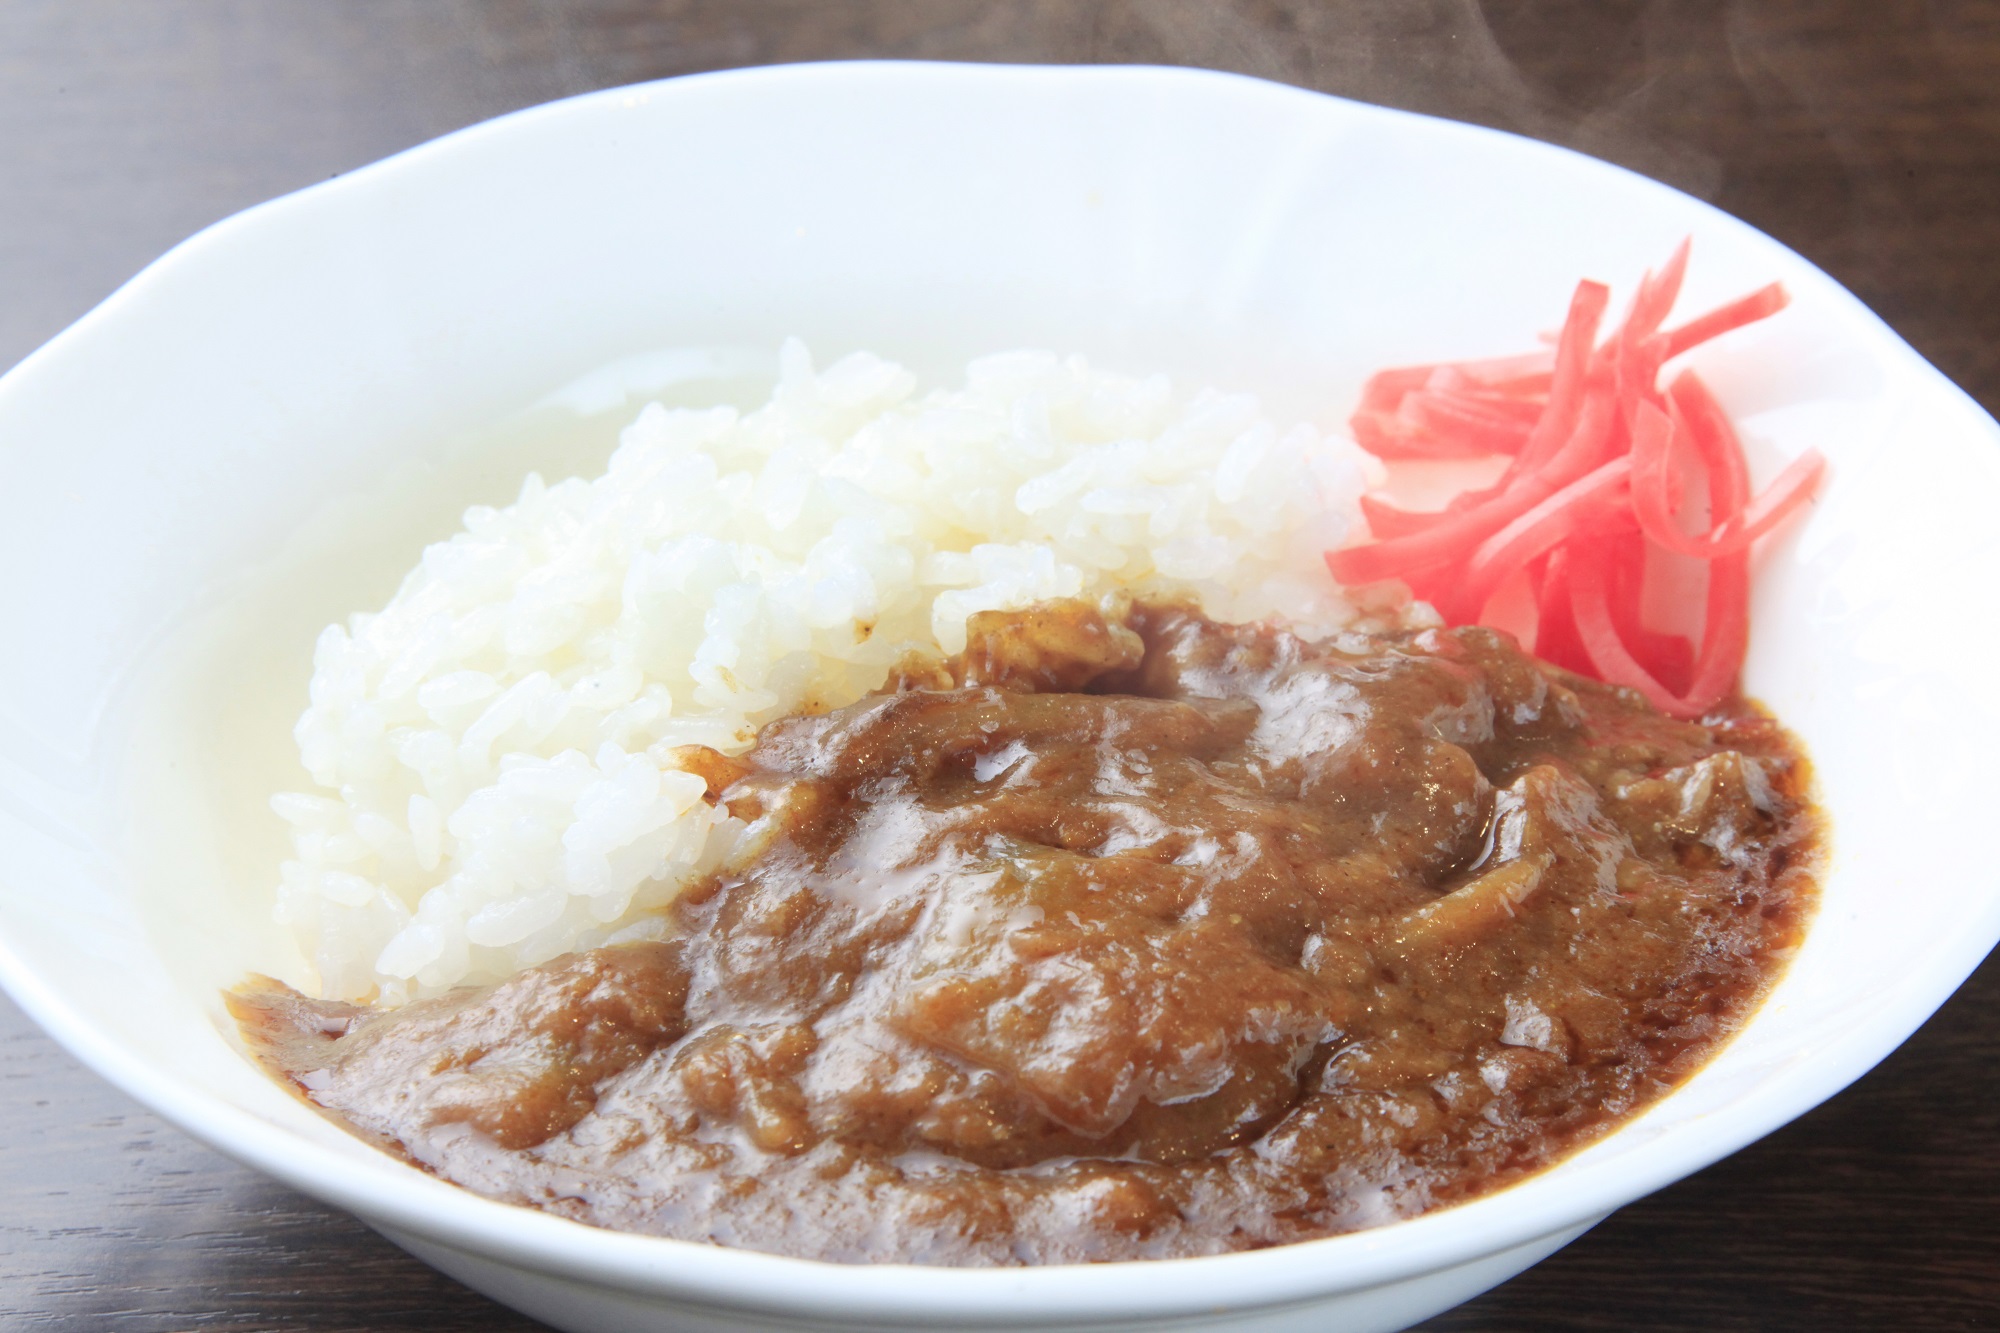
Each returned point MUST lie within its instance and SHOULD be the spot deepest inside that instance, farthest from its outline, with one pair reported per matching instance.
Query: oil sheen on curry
(1124, 935)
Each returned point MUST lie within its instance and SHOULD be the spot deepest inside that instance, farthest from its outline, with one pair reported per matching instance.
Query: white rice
(492, 745)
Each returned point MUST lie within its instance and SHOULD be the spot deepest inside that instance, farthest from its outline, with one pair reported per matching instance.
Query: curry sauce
(1125, 934)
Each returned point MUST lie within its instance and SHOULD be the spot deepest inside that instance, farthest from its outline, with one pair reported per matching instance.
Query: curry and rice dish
(974, 829)
(1123, 936)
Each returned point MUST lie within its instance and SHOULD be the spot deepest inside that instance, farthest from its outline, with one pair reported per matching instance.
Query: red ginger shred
(1591, 496)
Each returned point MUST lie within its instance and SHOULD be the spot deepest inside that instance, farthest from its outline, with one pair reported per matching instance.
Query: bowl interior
(258, 434)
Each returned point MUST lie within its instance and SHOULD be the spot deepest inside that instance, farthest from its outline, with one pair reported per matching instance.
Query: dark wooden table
(1864, 133)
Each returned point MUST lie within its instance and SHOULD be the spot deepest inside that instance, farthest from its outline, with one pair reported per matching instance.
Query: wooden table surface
(1864, 133)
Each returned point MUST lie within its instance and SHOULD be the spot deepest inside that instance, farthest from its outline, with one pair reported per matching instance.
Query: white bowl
(253, 437)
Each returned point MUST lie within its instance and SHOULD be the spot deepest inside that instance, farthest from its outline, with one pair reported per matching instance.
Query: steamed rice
(492, 747)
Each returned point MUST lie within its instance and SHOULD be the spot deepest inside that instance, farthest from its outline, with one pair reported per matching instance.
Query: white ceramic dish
(255, 434)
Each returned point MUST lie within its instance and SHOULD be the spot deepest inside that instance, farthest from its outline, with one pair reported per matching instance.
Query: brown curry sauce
(1124, 936)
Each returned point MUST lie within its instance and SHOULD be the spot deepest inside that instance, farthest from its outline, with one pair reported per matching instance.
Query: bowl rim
(403, 1198)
